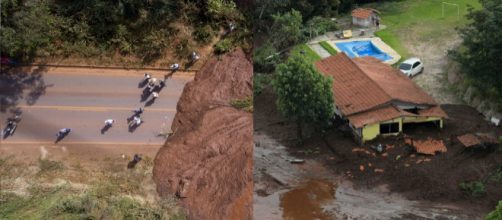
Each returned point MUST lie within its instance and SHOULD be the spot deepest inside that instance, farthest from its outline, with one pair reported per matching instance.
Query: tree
(286, 29)
(303, 94)
(480, 54)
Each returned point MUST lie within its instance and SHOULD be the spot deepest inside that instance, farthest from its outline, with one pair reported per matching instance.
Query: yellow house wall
(371, 131)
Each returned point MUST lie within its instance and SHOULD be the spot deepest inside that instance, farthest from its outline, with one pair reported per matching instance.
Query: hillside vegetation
(135, 29)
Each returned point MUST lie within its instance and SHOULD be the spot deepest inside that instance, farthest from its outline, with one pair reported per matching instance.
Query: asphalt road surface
(82, 100)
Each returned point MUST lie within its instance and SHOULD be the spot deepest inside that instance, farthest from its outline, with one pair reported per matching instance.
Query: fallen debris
(428, 146)
(479, 140)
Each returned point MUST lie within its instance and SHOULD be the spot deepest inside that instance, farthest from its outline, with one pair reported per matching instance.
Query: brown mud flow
(207, 162)
(306, 202)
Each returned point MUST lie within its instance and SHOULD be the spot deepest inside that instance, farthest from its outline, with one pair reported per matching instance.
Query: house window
(388, 128)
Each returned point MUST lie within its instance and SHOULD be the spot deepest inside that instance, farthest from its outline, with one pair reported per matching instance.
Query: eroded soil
(412, 186)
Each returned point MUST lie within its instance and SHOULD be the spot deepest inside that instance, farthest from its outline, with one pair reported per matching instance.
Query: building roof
(393, 82)
(365, 90)
(362, 12)
(354, 91)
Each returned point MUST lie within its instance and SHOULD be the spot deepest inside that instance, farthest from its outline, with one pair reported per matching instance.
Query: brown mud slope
(208, 161)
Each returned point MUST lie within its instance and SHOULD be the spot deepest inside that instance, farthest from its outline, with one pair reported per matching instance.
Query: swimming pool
(362, 49)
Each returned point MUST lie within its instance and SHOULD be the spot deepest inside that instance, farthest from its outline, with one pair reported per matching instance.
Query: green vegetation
(480, 52)
(475, 188)
(223, 46)
(72, 191)
(260, 82)
(421, 20)
(265, 59)
(328, 47)
(63, 202)
(99, 29)
(245, 104)
(319, 25)
(303, 94)
(286, 29)
(304, 51)
(495, 214)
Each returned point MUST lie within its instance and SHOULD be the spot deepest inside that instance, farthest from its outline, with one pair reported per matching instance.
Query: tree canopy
(286, 29)
(303, 94)
(480, 54)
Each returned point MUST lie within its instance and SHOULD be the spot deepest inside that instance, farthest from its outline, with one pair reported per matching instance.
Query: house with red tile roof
(376, 98)
(364, 17)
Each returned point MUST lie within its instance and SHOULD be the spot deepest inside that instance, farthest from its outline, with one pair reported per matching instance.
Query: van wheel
(421, 70)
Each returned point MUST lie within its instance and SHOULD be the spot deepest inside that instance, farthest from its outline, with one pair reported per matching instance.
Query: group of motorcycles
(153, 87)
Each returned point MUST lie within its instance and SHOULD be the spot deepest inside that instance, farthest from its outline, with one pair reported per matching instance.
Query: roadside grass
(328, 47)
(421, 20)
(56, 190)
(308, 53)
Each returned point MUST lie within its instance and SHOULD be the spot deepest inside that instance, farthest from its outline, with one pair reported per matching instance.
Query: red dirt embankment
(208, 161)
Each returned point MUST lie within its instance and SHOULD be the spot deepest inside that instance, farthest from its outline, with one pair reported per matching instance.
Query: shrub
(203, 34)
(328, 47)
(475, 188)
(223, 46)
(183, 48)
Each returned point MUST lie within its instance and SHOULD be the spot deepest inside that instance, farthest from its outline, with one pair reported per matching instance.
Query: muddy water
(306, 202)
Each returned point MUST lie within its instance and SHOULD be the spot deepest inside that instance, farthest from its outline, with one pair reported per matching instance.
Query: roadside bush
(223, 46)
(183, 48)
(203, 34)
(475, 188)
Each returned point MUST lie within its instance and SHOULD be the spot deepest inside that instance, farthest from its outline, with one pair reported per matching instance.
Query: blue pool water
(362, 49)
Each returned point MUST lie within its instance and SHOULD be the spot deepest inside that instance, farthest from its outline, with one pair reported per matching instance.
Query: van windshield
(405, 66)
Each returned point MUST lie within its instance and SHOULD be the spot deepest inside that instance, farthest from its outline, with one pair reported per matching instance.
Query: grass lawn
(421, 20)
(308, 53)
(328, 47)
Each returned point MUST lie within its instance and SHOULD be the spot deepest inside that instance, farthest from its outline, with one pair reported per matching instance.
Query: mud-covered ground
(413, 186)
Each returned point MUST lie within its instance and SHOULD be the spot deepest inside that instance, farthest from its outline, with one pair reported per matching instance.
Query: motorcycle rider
(109, 122)
(63, 132)
(147, 76)
(138, 111)
(174, 66)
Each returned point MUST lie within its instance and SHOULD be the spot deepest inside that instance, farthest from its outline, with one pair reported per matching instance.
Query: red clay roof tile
(362, 12)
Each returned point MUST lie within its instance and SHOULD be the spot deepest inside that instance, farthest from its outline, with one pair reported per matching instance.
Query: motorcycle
(11, 125)
(63, 132)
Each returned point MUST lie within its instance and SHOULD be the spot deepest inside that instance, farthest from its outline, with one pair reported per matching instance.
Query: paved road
(82, 101)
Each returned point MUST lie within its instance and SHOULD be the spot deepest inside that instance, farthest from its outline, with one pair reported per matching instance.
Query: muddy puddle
(306, 202)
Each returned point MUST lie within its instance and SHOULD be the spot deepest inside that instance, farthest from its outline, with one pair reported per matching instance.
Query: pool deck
(376, 41)
(359, 34)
